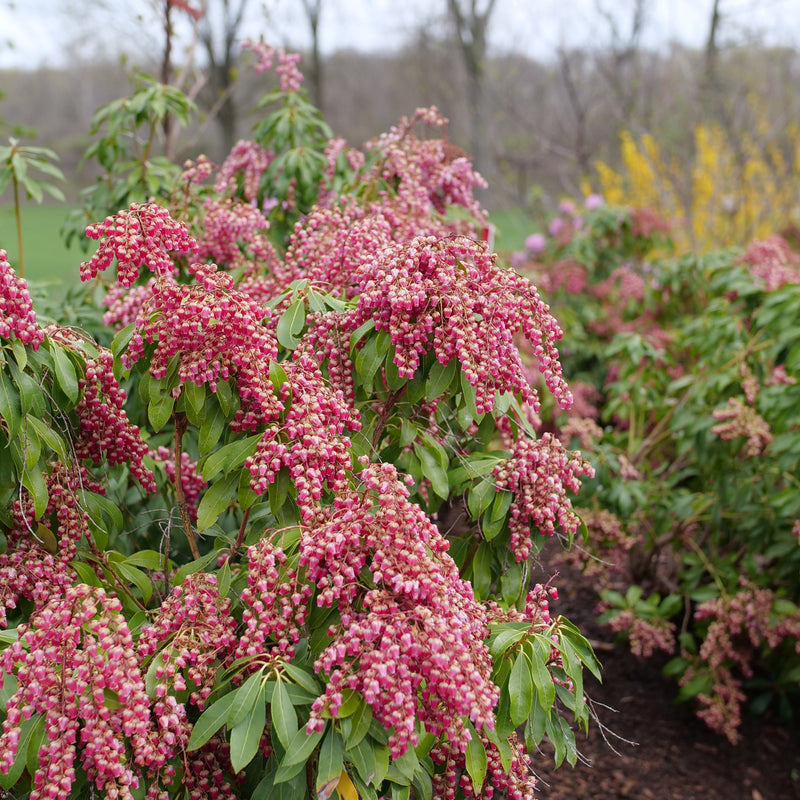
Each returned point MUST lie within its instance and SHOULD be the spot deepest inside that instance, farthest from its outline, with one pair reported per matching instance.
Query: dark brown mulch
(661, 751)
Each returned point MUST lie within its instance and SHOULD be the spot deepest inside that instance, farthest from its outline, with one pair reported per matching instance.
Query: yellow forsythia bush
(729, 192)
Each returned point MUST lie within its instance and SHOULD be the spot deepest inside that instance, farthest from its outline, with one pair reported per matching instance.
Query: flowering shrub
(689, 367)
(228, 564)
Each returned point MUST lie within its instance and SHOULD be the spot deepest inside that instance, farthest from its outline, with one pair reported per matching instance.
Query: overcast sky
(35, 32)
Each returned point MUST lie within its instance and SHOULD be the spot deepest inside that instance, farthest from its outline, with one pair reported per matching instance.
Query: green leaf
(229, 457)
(9, 405)
(246, 736)
(299, 750)
(33, 481)
(138, 579)
(194, 566)
(291, 323)
(212, 428)
(476, 761)
(302, 677)
(539, 652)
(520, 689)
(195, 397)
(47, 435)
(433, 471)
(480, 497)
(215, 500)
(245, 697)
(440, 376)
(284, 717)
(504, 635)
(147, 559)
(360, 722)
(65, 372)
(210, 721)
(331, 758)
(159, 411)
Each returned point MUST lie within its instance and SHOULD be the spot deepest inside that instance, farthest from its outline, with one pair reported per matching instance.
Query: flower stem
(180, 497)
(18, 214)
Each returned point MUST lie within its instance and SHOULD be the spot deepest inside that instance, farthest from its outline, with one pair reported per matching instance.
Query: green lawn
(513, 227)
(48, 262)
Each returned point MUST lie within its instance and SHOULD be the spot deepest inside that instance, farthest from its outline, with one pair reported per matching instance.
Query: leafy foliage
(688, 370)
(273, 540)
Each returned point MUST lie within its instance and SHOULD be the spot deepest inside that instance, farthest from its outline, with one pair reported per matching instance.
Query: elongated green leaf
(47, 435)
(33, 481)
(212, 428)
(440, 377)
(520, 689)
(506, 634)
(476, 762)
(245, 697)
(210, 721)
(195, 397)
(9, 405)
(147, 559)
(302, 677)
(291, 324)
(433, 471)
(246, 736)
(331, 758)
(284, 717)
(539, 652)
(229, 456)
(360, 722)
(138, 579)
(194, 566)
(215, 500)
(65, 372)
(299, 750)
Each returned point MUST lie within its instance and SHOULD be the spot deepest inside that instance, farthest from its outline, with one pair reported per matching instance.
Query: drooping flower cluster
(773, 261)
(518, 783)
(215, 331)
(191, 480)
(741, 625)
(291, 79)
(143, 235)
(412, 646)
(105, 431)
(740, 420)
(235, 234)
(17, 317)
(275, 602)
(309, 439)
(645, 635)
(539, 472)
(245, 164)
(72, 655)
(124, 304)
(450, 295)
(423, 178)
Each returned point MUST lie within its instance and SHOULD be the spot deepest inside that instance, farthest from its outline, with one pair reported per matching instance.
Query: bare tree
(470, 19)
(219, 30)
(313, 12)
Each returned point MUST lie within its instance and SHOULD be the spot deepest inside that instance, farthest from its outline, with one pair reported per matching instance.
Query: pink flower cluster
(215, 330)
(741, 625)
(450, 295)
(235, 234)
(17, 317)
(773, 261)
(413, 645)
(275, 602)
(518, 783)
(105, 431)
(539, 472)
(74, 653)
(193, 631)
(192, 481)
(144, 235)
(740, 420)
(423, 178)
(291, 79)
(245, 164)
(309, 440)
(124, 304)
(645, 635)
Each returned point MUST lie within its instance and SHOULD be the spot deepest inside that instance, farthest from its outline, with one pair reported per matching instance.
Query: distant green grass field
(47, 259)
(513, 227)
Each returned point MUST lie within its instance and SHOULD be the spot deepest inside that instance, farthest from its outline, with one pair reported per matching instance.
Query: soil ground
(657, 750)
